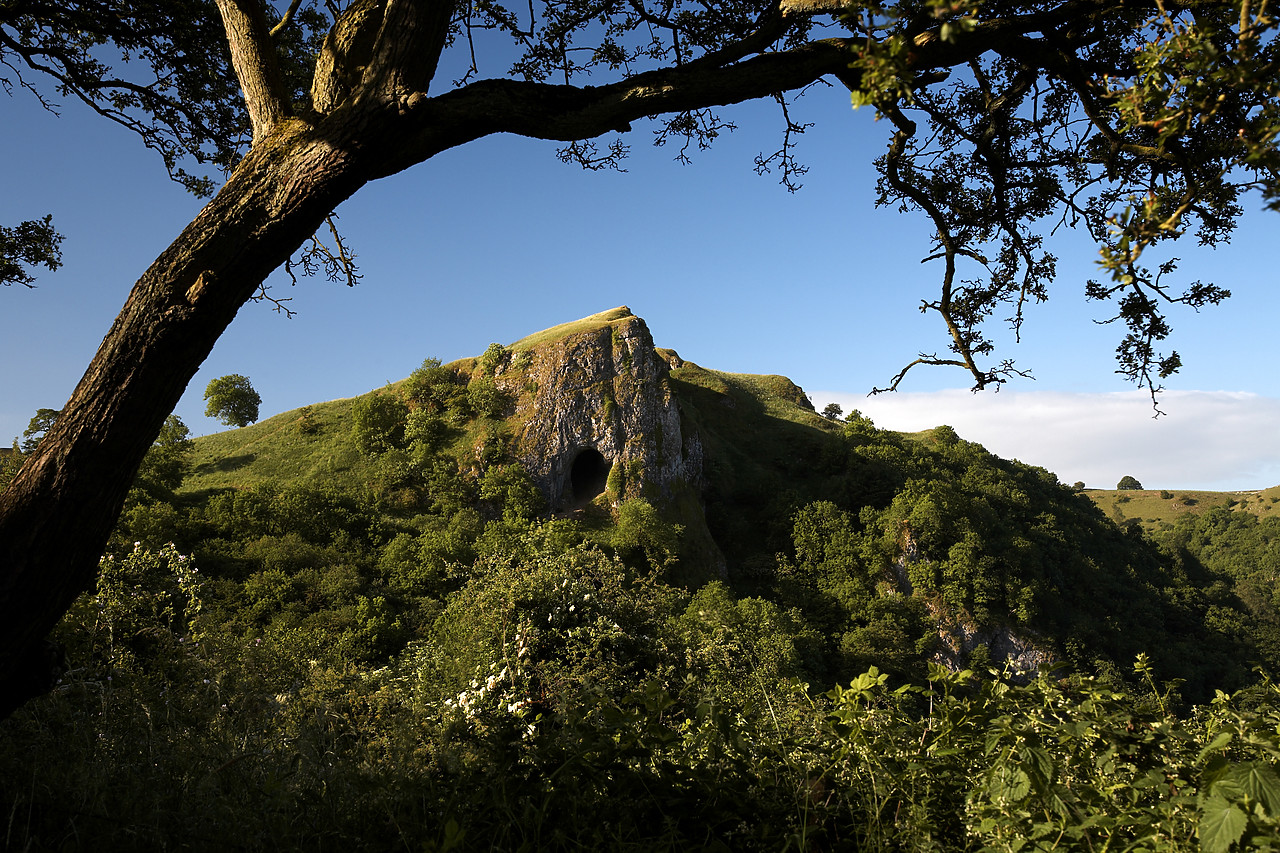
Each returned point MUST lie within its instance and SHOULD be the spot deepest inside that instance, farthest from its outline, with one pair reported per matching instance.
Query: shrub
(378, 423)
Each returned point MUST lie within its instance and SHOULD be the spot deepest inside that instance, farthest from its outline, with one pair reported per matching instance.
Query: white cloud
(1221, 440)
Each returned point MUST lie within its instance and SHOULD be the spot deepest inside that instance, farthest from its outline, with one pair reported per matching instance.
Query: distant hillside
(291, 447)
(1155, 508)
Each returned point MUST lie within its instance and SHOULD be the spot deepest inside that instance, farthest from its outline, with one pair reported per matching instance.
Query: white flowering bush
(528, 637)
(144, 610)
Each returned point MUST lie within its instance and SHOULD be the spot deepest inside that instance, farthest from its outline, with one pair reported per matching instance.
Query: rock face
(597, 413)
(1016, 651)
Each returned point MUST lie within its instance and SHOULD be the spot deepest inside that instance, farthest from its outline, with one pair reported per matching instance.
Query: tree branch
(567, 113)
(286, 18)
(254, 59)
(407, 50)
(345, 54)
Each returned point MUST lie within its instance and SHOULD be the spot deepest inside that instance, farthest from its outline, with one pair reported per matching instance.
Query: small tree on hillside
(37, 427)
(168, 460)
(232, 400)
(1128, 483)
(377, 423)
(832, 411)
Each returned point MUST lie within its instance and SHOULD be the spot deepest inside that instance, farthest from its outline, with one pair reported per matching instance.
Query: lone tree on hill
(232, 400)
(1128, 483)
(1137, 120)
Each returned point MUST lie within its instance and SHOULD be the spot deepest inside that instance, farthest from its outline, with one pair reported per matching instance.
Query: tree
(1138, 120)
(39, 424)
(832, 411)
(168, 460)
(377, 423)
(232, 400)
(1128, 483)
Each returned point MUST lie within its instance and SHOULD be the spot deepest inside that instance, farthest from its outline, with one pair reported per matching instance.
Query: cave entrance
(588, 475)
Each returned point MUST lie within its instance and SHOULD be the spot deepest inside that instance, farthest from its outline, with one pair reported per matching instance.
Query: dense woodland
(415, 655)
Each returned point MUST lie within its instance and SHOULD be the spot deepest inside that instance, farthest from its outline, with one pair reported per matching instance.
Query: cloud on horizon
(1217, 440)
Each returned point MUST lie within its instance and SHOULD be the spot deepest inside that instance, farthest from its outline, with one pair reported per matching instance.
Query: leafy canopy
(1140, 122)
(232, 400)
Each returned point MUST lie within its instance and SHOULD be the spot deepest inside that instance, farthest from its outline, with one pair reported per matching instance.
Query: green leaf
(1040, 763)
(1216, 744)
(1009, 784)
(1221, 825)
(1260, 784)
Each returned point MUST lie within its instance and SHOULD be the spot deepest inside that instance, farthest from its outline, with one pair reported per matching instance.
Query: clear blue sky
(499, 239)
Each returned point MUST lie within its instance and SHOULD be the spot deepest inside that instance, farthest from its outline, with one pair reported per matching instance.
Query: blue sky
(499, 239)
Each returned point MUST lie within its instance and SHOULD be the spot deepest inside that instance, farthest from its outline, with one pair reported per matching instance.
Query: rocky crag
(597, 422)
(596, 413)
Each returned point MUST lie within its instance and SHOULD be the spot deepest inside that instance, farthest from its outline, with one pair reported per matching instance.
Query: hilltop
(1156, 509)
(955, 551)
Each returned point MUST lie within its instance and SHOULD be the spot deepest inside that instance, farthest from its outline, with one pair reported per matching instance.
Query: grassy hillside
(1154, 508)
(305, 446)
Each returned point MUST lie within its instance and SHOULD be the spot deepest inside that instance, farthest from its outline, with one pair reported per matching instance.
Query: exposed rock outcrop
(1014, 650)
(597, 413)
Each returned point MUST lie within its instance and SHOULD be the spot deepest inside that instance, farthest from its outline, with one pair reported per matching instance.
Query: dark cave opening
(589, 475)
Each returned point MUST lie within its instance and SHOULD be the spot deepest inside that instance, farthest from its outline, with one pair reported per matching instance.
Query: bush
(378, 423)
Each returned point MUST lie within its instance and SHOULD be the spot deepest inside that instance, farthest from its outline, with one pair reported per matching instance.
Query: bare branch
(286, 19)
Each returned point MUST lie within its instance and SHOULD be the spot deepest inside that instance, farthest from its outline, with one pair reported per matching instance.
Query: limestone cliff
(595, 413)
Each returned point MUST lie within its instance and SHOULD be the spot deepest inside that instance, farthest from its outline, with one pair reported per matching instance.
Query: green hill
(898, 547)
(1158, 508)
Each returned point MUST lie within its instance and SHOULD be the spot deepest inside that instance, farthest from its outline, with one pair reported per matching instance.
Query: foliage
(433, 388)
(509, 489)
(561, 702)
(640, 527)
(10, 462)
(28, 244)
(1141, 121)
(232, 400)
(131, 63)
(350, 667)
(1166, 141)
(40, 423)
(1128, 483)
(486, 399)
(494, 357)
(168, 461)
(307, 424)
(378, 423)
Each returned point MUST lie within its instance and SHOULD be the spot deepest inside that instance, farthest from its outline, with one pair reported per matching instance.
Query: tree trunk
(58, 512)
